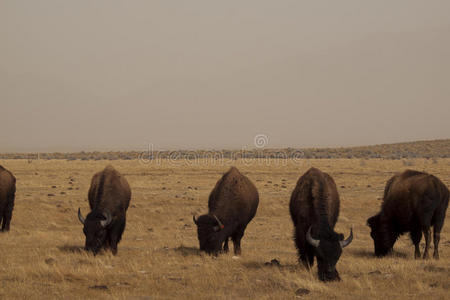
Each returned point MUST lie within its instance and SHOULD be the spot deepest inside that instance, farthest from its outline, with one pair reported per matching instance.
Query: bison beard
(314, 209)
(109, 198)
(232, 205)
(413, 202)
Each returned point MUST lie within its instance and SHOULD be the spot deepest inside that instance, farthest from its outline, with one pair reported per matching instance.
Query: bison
(109, 197)
(413, 202)
(232, 205)
(7, 195)
(314, 209)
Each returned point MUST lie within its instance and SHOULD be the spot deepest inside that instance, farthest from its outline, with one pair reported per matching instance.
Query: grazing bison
(232, 205)
(7, 195)
(413, 202)
(314, 209)
(109, 197)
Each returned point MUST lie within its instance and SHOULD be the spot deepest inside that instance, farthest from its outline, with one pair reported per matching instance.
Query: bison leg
(107, 243)
(237, 241)
(6, 220)
(416, 236)
(115, 235)
(7, 213)
(438, 221)
(225, 246)
(1, 218)
(427, 234)
(305, 251)
(417, 251)
(436, 238)
(113, 241)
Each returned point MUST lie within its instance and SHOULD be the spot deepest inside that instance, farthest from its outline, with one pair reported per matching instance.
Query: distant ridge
(419, 149)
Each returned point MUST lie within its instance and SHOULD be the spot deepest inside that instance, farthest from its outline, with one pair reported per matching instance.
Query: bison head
(210, 234)
(381, 242)
(95, 225)
(328, 249)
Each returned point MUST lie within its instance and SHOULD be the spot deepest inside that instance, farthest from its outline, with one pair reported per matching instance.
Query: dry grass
(42, 257)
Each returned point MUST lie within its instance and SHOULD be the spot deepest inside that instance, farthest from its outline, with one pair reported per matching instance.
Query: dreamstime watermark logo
(261, 141)
(258, 155)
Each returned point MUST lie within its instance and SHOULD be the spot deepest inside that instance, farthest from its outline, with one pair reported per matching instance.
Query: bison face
(95, 230)
(328, 254)
(209, 231)
(381, 249)
(328, 250)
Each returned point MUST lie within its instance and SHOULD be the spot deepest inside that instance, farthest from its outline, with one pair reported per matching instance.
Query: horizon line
(218, 149)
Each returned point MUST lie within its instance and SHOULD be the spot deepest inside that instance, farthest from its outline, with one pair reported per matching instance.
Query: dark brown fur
(413, 202)
(109, 193)
(315, 203)
(234, 201)
(7, 196)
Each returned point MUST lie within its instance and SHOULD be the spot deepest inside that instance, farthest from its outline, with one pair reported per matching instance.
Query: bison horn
(348, 240)
(218, 222)
(310, 240)
(108, 220)
(80, 216)
(195, 219)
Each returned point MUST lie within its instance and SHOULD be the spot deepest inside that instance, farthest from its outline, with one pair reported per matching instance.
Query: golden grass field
(42, 257)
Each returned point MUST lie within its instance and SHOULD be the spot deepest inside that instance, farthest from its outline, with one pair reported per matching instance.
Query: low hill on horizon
(419, 149)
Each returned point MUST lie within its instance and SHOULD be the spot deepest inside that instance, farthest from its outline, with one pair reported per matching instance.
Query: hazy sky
(86, 75)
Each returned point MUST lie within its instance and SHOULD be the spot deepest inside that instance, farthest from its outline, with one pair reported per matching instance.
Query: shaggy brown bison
(109, 197)
(314, 209)
(232, 205)
(413, 202)
(7, 195)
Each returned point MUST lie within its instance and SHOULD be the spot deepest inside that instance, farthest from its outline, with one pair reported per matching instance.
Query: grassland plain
(158, 258)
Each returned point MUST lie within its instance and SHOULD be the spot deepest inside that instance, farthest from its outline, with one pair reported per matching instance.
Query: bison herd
(413, 202)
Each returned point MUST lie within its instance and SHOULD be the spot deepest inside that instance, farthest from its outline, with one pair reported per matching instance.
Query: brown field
(158, 258)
